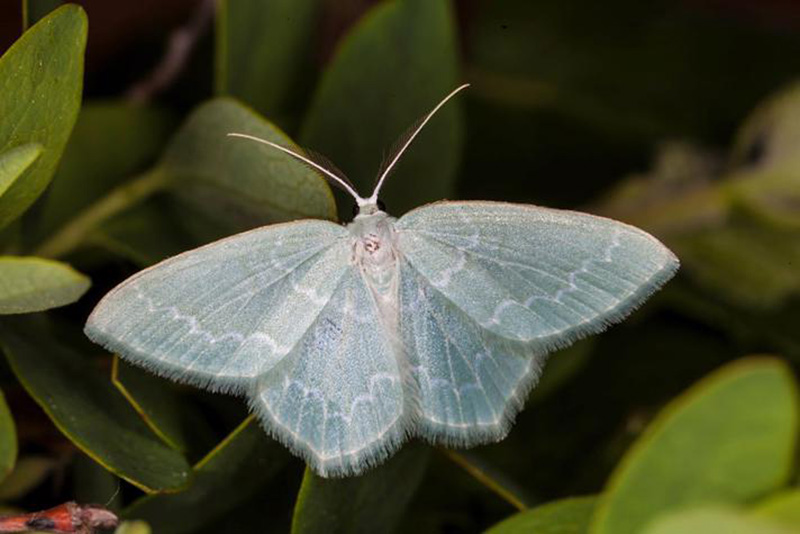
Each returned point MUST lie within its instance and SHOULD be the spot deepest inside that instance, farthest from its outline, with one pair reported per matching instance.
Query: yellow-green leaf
(14, 162)
(729, 439)
(29, 284)
(567, 516)
(714, 520)
(41, 78)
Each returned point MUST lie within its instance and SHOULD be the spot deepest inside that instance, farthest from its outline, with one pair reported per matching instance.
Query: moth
(348, 340)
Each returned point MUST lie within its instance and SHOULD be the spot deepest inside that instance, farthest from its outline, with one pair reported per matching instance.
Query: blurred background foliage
(682, 118)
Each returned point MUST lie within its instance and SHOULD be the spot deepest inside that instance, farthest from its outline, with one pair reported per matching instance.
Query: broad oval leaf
(729, 439)
(390, 70)
(8, 439)
(225, 477)
(374, 502)
(262, 48)
(567, 516)
(714, 520)
(14, 162)
(29, 284)
(85, 406)
(41, 77)
(238, 182)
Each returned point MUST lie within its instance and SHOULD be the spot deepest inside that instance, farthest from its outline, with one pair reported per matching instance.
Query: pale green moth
(348, 340)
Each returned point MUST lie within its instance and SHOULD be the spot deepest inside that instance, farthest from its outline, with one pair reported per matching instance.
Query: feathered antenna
(337, 176)
(339, 180)
(410, 138)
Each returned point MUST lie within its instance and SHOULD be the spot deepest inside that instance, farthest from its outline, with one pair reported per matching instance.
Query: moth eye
(381, 205)
(355, 210)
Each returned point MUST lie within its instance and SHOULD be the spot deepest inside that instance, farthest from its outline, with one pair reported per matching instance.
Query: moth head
(369, 209)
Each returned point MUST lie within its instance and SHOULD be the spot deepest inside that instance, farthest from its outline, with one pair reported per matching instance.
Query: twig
(181, 43)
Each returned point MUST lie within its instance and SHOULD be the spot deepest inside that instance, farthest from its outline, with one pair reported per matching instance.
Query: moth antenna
(407, 143)
(341, 181)
(323, 161)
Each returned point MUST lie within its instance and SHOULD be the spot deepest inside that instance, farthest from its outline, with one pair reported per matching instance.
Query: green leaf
(729, 439)
(92, 483)
(8, 440)
(783, 508)
(567, 516)
(748, 263)
(111, 142)
(41, 77)
(28, 473)
(390, 70)
(714, 521)
(29, 284)
(374, 502)
(133, 527)
(262, 48)
(89, 410)
(238, 182)
(14, 162)
(227, 475)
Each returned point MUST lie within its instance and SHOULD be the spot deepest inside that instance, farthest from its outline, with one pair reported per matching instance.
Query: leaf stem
(74, 233)
(505, 493)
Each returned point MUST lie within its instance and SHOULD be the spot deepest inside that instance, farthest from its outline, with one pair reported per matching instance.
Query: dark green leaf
(374, 502)
(567, 516)
(89, 410)
(729, 439)
(746, 262)
(393, 67)
(228, 475)
(14, 162)
(8, 440)
(93, 483)
(29, 284)
(261, 49)
(41, 77)
(238, 182)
